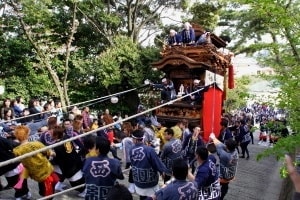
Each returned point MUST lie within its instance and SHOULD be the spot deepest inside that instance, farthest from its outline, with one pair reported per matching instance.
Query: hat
(196, 81)
(115, 117)
(137, 134)
(164, 80)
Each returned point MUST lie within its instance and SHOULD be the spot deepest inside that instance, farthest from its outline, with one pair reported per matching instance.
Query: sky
(244, 65)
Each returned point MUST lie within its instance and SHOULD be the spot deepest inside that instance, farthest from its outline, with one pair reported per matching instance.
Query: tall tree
(41, 25)
(125, 65)
(273, 34)
(138, 19)
(271, 30)
(206, 14)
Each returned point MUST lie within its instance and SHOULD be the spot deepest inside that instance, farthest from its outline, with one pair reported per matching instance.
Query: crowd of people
(271, 122)
(190, 167)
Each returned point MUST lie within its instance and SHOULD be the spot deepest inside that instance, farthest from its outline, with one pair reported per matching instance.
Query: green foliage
(150, 98)
(148, 55)
(126, 61)
(270, 30)
(206, 14)
(20, 74)
(236, 98)
(184, 4)
(119, 60)
(253, 129)
(283, 169)
(282, 147)
(275, 127)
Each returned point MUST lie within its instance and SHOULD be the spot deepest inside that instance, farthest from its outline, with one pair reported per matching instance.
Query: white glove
(212, 136)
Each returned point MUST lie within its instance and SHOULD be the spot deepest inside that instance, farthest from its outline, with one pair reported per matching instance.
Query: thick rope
(83, 102)
(93, 103)
(213, 107)
(13, 160)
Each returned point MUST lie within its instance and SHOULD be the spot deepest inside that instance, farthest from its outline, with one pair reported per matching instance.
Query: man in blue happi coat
(146, 166)
(101, 172)
(179, 188)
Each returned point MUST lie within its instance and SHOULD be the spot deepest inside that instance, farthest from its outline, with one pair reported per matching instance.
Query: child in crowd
(127, 144)
(68, 160)
(37, 166)
(12, 171)
(95, 124)
(47, 139)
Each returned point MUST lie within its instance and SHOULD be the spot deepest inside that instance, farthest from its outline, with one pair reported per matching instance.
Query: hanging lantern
(2, 89)
(114, 99)
(147, 82)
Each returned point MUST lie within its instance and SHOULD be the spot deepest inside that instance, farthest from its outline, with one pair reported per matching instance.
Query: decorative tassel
(230, 77)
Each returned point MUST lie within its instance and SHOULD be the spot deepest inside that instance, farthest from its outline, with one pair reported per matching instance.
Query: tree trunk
(46, 60)
(292, 44)
(68, 53)
(287, 190)
(57, 83)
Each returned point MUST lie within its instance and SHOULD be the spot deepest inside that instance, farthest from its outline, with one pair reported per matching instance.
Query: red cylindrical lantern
(212, 111)
(230, 77)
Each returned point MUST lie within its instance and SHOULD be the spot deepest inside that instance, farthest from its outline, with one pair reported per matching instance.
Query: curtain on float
(212, 110)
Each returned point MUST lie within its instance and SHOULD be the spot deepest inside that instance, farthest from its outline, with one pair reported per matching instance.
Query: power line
(104, 98)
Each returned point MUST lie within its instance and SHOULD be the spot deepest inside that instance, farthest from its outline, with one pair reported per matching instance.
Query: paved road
(254, 180)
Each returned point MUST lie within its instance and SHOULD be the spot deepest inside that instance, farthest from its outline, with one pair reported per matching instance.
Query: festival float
(206, 62)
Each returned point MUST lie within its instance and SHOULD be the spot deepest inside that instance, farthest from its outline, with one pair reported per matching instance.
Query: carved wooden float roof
(194, 57)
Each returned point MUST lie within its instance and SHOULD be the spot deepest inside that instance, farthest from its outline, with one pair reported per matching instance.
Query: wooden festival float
(207, 63)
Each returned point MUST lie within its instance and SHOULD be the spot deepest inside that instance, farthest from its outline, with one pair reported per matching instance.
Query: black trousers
(13, 180)
(252, 137)
(61, 177)
(114, 153)
(130, 177)
(244, 147)
(224, 190)
(78, 182)
(143, 197)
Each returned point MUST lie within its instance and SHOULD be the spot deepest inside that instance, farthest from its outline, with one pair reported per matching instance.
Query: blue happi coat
(146, 166)
(100, 175)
